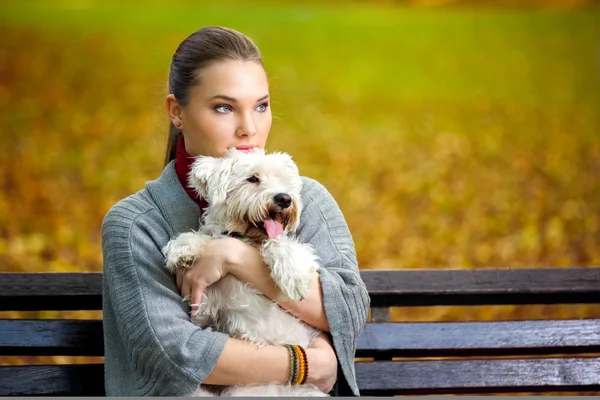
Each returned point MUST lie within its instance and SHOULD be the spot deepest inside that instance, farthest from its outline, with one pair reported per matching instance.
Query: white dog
(255, 197)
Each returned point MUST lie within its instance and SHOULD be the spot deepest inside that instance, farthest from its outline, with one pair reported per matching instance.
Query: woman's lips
(245, 148)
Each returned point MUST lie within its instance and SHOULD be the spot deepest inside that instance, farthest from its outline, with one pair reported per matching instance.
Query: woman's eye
(262, 107)
(222, 108)
(253, 179)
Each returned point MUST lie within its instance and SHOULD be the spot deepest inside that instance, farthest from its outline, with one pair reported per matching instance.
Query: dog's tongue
(273, 228)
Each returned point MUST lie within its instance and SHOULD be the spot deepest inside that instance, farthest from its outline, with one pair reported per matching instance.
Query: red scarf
(183, 167)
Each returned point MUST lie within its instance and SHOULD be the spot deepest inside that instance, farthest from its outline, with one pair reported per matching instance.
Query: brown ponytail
(172, 140)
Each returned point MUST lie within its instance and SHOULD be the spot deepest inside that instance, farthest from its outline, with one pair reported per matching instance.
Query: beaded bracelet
(305, 365)
(293, 361)
(300, 376)
(298, 363)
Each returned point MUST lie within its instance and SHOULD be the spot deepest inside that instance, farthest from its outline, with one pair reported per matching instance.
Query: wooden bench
(393, 358)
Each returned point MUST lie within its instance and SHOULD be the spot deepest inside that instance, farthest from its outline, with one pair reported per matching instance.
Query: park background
(453, 134)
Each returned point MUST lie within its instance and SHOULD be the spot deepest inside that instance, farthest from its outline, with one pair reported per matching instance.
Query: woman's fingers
(190, 286)
(206, 270)
(179, 278)
(186, 291)
(196, 296)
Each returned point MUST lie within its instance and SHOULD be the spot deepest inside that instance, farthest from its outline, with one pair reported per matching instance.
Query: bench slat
(447, 339)
(420, 339)
(419, 287)
(483, 286)
(51, 337)
(54, 380)
(374, 378)
(50, 291)
(478, 376)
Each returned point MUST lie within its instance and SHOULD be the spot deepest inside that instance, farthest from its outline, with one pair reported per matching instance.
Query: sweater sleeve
(345, 297)
(148, 333)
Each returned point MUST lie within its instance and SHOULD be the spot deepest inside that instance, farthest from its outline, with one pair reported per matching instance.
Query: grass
(449, 137)
(448, 53)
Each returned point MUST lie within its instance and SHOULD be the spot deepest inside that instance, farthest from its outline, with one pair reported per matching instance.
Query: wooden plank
(50, 291)
(483, 286)
(55, 380)
(379, 340)
(478, 376)
(448, 339)
(51, 337)
(374, 378)
(83, 291)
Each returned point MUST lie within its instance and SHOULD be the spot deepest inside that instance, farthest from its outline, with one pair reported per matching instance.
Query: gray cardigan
(151, 347)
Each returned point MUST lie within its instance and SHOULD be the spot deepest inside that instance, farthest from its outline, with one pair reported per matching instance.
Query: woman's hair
(201, 48)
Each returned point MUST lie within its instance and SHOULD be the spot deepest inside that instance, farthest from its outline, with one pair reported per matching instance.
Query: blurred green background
(452, 135)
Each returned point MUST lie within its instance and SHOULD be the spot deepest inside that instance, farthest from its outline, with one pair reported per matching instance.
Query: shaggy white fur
(256, 196)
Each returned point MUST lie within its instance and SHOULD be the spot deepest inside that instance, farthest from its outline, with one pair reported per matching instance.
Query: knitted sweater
(151, 346)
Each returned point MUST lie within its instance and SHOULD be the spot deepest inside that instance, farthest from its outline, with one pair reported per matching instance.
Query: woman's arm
(345, 297)
(238, 361)
(229, 255)
(247, 265)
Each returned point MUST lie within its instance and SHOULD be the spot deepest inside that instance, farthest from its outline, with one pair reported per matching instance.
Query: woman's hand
(322, 363)
(215, 263)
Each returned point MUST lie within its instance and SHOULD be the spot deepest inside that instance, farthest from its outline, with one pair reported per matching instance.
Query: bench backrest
(392, 358)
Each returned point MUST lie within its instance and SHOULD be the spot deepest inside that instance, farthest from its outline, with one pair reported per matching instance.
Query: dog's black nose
(283, 200)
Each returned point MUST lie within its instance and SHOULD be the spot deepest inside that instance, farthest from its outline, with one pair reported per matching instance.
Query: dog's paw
(178, 255)
(182, 251)
(184, 260)
(292, 264)
(294, 286)
(299, 287)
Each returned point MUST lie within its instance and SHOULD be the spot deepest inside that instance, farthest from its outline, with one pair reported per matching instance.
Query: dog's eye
(253, 179)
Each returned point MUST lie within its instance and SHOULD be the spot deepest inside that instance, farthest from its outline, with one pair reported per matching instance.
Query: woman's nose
(246, 127)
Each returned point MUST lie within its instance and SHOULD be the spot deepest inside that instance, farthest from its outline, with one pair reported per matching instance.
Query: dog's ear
(210, 177)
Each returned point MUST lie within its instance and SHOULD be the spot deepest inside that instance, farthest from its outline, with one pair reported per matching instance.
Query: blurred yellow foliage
(424, 182)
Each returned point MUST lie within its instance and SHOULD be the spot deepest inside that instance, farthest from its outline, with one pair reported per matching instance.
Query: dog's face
(252, 193)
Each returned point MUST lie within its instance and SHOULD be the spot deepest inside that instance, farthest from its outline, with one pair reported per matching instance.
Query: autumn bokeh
(451, 135)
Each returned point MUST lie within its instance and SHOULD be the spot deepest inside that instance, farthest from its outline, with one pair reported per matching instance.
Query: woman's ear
(174, 110)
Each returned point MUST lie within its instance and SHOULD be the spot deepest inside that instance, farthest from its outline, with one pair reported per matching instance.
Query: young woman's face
(228, 108)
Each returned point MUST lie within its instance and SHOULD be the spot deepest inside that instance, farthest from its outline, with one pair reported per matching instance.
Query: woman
(219, 98)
